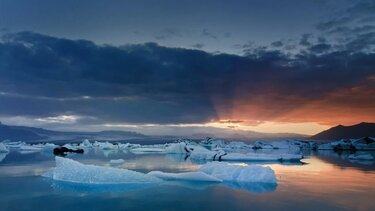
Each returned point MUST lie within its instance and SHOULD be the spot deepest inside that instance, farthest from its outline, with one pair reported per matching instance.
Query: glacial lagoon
(323, 180)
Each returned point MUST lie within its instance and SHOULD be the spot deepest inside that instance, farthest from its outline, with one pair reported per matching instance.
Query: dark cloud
(305, 40)
(148, 83)
(277, 44)
(360, 12)
(168, 33)
(333, 23)
(198, 45)
(320, 48)
(206, 33)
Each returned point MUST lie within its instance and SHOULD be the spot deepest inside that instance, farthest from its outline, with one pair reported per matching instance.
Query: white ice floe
(188, 176)
(236, 173)
(72, 171)
(117, 161)
(68, 170)
(13, 144)
(30, 148)
(260, 157)
(177, 148)
(3, 148)
(366, 143)
(361, 156)
(200, 153)
(142, 150)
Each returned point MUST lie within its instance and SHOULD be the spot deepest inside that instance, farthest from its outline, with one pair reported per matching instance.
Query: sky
(163, 67)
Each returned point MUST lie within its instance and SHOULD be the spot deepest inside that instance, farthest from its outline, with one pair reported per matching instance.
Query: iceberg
(117, 162)
(178, 148)
(235, 173)
(106, 146)
(260, 157)
(72, 171)
(86, 143)
(3, 148)
(189, 176)
(29, 148)
(143, 150)
(361, 156)
(200, 153)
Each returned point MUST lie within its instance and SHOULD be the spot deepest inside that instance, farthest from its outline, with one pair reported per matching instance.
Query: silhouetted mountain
(339, 132)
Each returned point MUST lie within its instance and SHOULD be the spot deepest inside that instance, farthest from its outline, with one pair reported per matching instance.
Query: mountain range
(23, 133)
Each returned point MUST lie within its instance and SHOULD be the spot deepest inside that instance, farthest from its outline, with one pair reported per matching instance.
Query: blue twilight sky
(156, 66)
(212, 25)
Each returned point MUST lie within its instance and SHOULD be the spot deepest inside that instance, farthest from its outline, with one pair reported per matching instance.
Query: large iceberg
(237, 173)
(72, 171)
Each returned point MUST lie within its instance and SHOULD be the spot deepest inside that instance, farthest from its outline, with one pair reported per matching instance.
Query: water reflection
(329, 181)
(2, 156)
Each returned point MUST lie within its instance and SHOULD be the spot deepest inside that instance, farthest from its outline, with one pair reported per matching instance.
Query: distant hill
(339, 132)
(8, 132)
(22, 133)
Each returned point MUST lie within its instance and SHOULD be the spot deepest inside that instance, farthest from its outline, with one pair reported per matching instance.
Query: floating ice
(200, 153)
(142, 150)
(118, 161)
(235, 173)
(177, 148)
(3, 148)
(30, 148)
(13, 144)
(362, 156)
(2, 156)
(86, 143)
(260, 157)
(189, 176)
(106, 146)
(72, 171)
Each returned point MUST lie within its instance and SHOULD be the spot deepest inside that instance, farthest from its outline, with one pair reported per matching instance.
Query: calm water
(327, 181)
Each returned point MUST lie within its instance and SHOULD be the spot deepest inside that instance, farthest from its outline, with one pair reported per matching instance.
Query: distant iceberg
(200, 153)
(361, 156)
(143, 150)
(117, 161)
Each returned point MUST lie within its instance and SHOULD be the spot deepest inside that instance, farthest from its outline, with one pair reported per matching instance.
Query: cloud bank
(43, 77)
